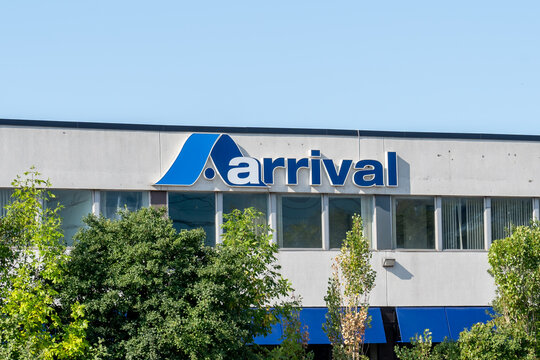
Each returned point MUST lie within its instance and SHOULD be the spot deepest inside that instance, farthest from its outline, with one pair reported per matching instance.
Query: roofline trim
(264, 130)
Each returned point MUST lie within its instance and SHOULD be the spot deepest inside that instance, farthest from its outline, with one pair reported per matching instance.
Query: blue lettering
(372, 169)
(292, 169)
(236, 169)
(269, 166)
(315, 167)
(391, 168)
(337, 177)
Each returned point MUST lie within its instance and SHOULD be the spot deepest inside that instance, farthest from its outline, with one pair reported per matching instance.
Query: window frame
(484, 224)
(363, 197)
(279, 229)
(395, 199)
(98, 198)
(218, 211)
(532, 214)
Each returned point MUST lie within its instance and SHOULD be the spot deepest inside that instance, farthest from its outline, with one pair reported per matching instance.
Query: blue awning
(271, 339)
(314, 318)
(443, 322)
(462, 318)
(375, 333)
(414, 321)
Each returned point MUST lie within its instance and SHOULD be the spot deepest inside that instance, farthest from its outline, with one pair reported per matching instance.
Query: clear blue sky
(452, 66)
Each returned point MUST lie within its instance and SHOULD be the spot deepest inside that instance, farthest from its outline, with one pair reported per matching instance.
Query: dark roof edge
(264, 130)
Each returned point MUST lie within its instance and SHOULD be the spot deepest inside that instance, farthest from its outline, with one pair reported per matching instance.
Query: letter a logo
(234, 168)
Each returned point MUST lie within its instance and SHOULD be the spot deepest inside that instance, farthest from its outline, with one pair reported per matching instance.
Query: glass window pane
(5, 199)
(194, 210)
(299, 221)
(76, 205)
(415, 223)
(463, 223)
(341, 210)
(244, 201)
(508, 212)
(113, 201)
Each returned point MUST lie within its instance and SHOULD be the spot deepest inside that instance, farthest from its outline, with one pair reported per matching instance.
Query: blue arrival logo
(238, 170)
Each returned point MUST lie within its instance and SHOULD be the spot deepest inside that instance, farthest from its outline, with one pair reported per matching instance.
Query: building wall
(427, 278)
(109, 159)
(101, 159)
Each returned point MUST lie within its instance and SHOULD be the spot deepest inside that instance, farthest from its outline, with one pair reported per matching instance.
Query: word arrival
(235, 169)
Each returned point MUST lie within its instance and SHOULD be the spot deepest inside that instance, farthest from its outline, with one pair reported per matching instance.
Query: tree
(240, 294)
(294, 340)
(515, 266)
(422, 349)
(153, 293)
(348, 293)
(32, 256)
(135, 277)
(495, 340)
(513, 333)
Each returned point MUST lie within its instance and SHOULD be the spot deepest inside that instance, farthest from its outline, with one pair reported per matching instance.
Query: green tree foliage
(294, 340)
(153, 293)
(515, 266)
(240, 293)
(348, 294)
(513, 333)
(422, 349)
(447, 350)
(494, 340)
(135, 278)
(32, 256)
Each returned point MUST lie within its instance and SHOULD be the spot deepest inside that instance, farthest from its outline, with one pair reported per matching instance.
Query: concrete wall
(82, 159)
(120, 159)
(418, 278)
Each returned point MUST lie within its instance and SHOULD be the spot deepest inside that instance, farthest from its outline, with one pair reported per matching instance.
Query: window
(508, 212)
(341, 210)
(76, 204)
(5, 199)
(113, 201)
(194, 210)
(463, 223)
(299, 221)
(414, 223)
(244, 201)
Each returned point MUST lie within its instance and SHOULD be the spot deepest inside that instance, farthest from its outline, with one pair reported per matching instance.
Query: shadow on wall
(399, 271)
(404, 175)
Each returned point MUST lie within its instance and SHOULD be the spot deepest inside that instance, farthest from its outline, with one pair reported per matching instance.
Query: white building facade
(431, 203)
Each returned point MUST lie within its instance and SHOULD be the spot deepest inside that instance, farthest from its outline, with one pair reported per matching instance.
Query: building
(431, 203)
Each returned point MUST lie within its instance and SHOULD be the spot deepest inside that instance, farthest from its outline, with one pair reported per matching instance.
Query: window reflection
(76, 204)
(415, 223)
(5, 199)
(463, 223)
(244, 201)
(299, 221)
(341, 211)
(194, 210)
(113, 201)
(508, 212)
